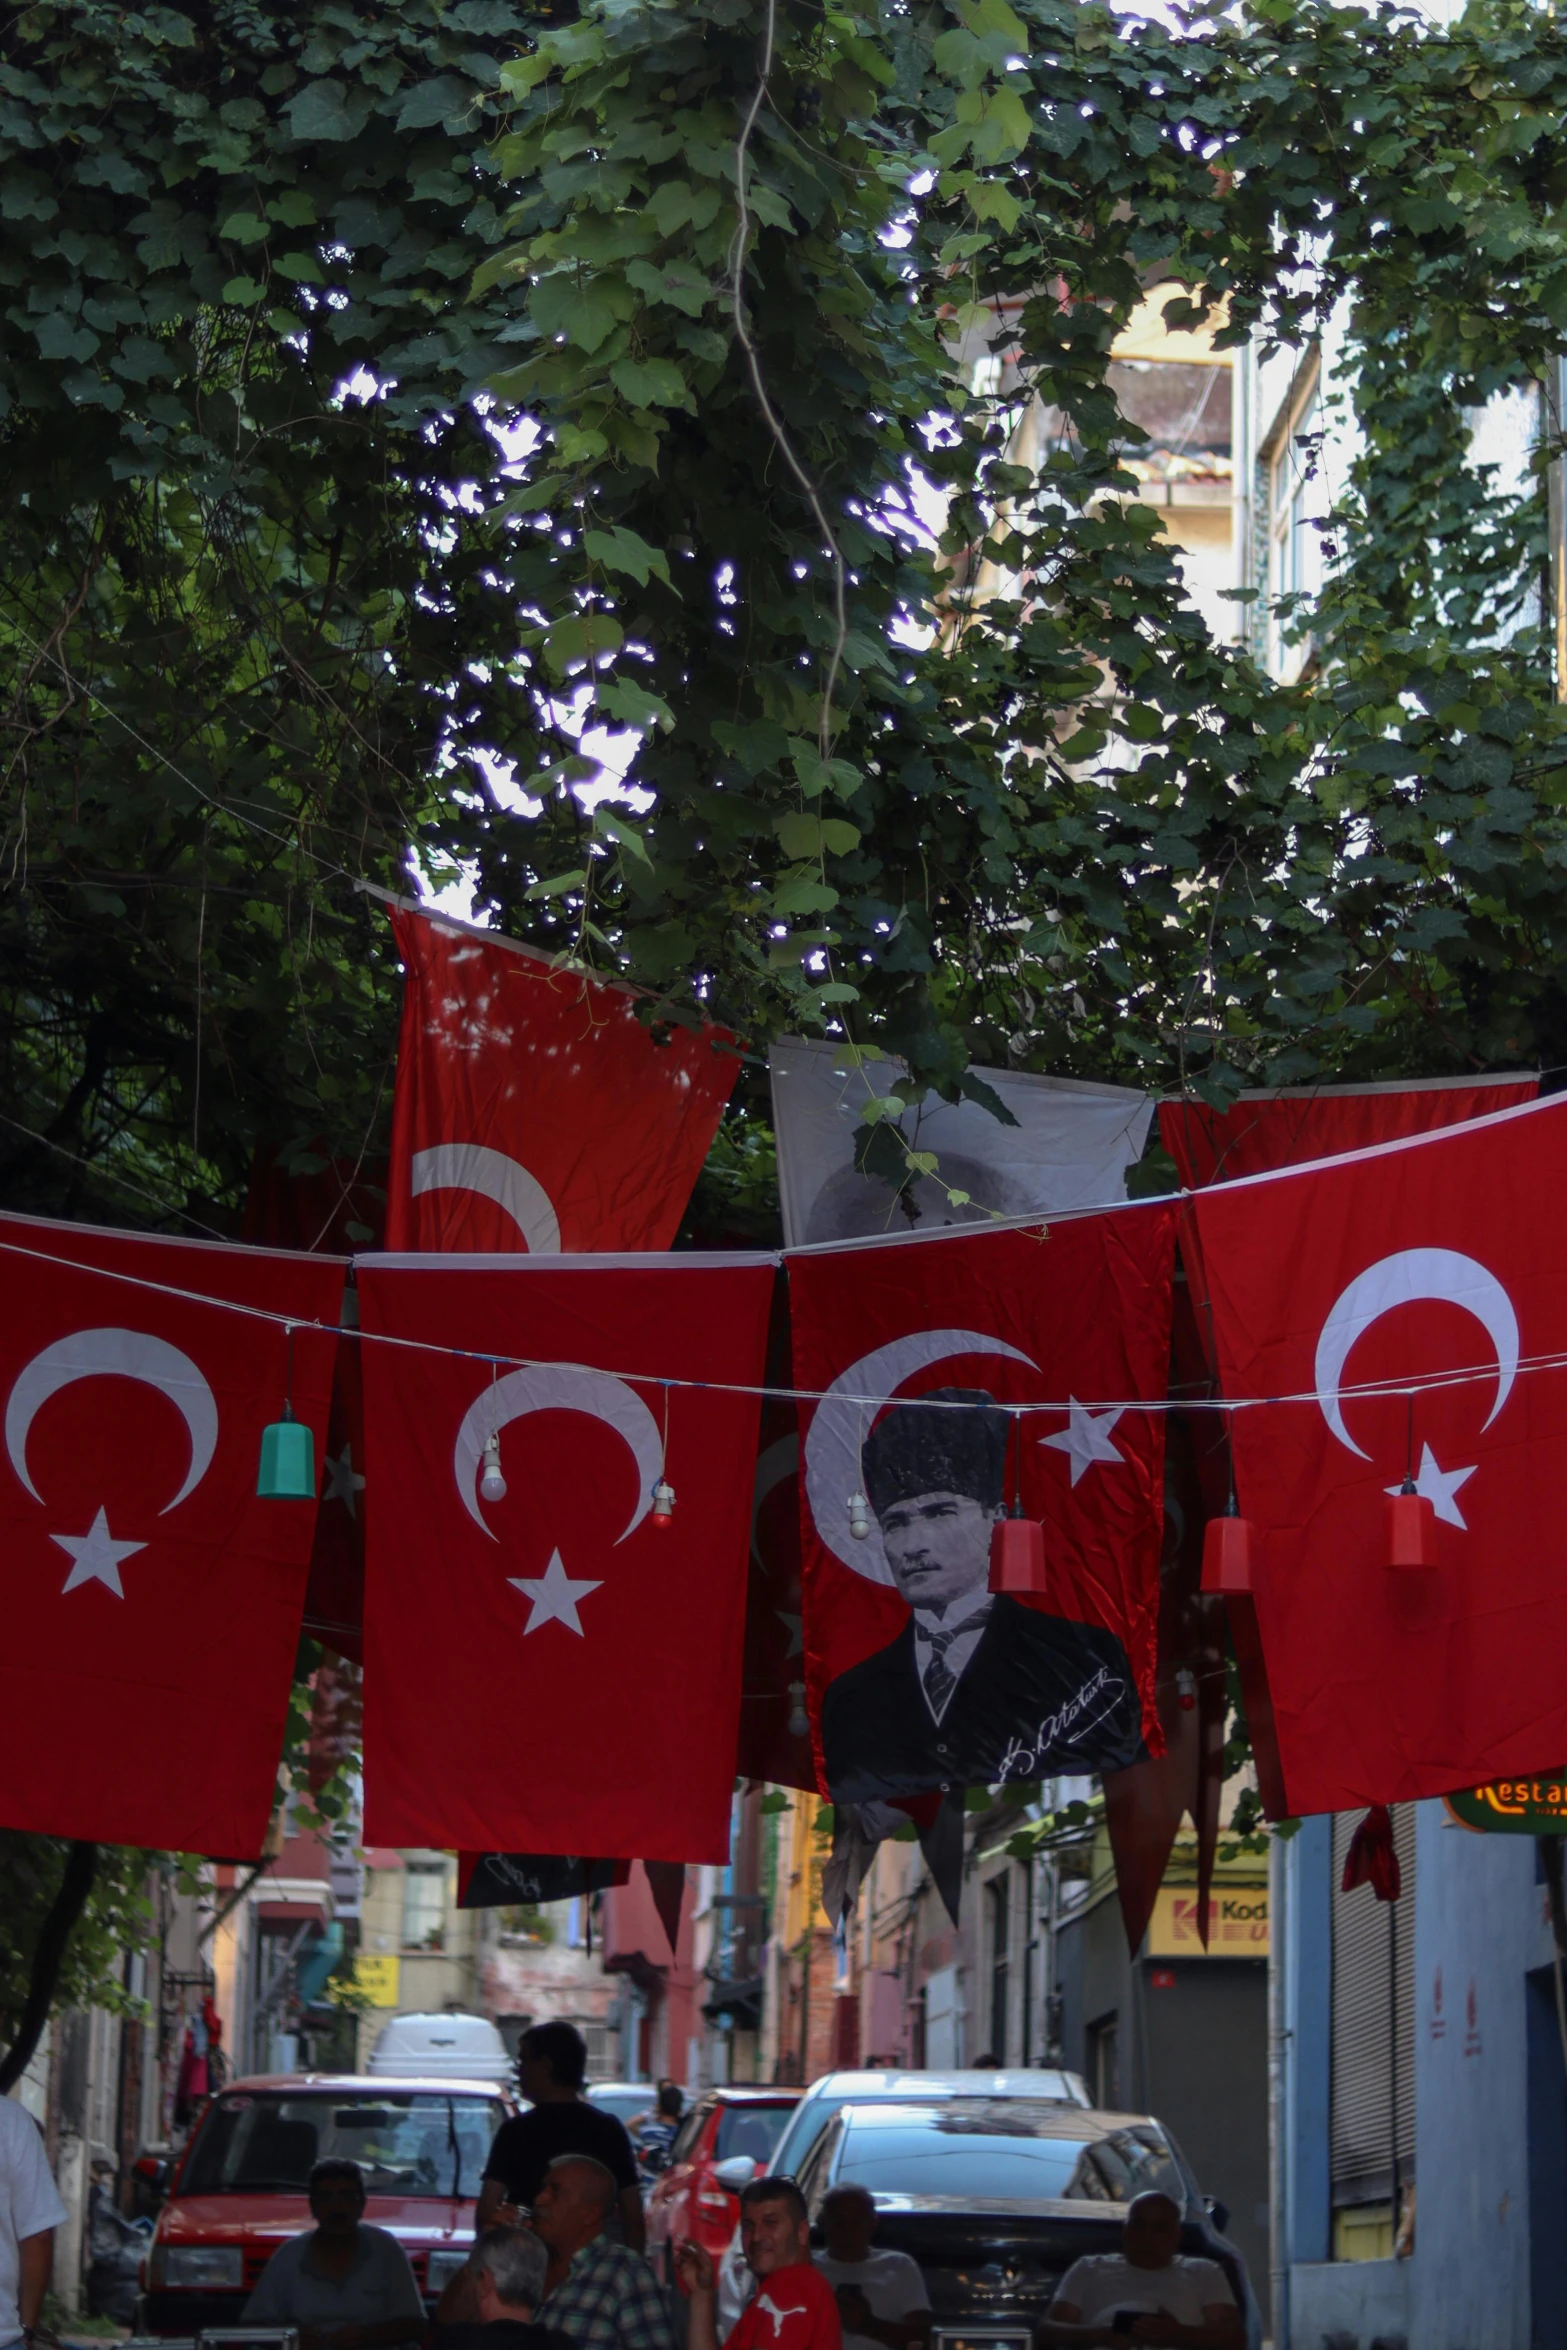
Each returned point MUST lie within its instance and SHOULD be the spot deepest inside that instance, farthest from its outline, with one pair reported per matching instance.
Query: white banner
(1070, 1148)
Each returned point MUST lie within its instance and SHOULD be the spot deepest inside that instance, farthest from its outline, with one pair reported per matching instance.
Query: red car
(240, 2186)
(726, 2140)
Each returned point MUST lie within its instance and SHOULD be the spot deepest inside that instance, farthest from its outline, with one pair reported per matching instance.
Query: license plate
(979, 2338)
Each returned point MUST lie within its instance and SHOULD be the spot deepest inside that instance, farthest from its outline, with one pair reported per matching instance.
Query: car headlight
(190, 2267)
(443, 2266)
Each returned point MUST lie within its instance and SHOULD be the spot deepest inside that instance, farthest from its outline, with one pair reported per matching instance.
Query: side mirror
(1218, 2212)
(153, 2172)
(736, 2173)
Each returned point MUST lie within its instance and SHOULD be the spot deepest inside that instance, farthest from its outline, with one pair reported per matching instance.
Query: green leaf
(560, 885)
(322, 111)
(651, 383)
(673, 282)
(585, 636)
(633, 705)
(622, 550)
(584, 309)
(444, 97)
(244, 228)
(624, 834)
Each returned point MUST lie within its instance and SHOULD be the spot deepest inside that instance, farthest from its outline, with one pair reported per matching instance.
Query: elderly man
(602, 2294)
(1149, 2291)
(793, 2308)
(345, 2286)
(506, 2276)
(975, 1689)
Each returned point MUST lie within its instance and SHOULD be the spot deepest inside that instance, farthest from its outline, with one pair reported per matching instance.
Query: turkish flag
(1338, 1287)
(919, 1678)
(772, 1685)
(548, 1670)
(1262, 1131)
(152, 1600)
(335, 1594)
(534, 1109)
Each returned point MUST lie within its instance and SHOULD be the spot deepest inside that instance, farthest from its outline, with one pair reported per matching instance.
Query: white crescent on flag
(1412, 1274)
(470, 1166)
(560, 1388)
(126, 1354)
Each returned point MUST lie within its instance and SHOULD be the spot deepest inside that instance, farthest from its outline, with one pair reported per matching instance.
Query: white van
(442, 2048)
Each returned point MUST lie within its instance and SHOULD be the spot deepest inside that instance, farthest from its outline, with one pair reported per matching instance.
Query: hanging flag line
(1421, 1383)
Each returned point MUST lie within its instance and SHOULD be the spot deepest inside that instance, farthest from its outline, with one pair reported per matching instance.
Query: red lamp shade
(1226, 1554)
(1017, 1555)
(1411, 1529)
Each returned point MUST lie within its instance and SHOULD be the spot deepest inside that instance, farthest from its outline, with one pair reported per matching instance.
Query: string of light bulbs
(1416, 1383)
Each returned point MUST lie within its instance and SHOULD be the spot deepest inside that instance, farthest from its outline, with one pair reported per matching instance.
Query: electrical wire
(1427, 1383)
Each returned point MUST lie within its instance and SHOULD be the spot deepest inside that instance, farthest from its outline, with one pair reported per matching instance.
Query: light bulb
(492, 1485)
(663, 1503)
(799, 1725)
(859, 1516)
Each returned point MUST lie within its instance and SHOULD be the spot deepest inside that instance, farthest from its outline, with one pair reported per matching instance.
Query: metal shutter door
(1373, 2067)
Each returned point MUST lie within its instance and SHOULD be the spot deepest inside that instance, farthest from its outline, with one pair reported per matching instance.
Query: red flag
(335, 1595)
(775, 1739)
(548, 1670)
(1078, 1316)
(534, 1109)
(1424, 1259)
(1266, 1130)
(152, 1600)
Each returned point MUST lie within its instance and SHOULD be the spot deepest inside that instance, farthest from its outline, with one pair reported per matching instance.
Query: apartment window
(998, 1904)
(1296, 505)
(424, 1904)
(1372, 2133)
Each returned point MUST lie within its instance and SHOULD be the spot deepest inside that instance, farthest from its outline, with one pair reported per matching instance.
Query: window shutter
(1373, 2071)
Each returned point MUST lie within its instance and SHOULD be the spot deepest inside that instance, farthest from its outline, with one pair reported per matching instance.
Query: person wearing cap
(976, 1688)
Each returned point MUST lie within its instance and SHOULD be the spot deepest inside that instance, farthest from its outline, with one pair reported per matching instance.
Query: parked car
(441, 2047)
(624, 2099)
(828, 2096)
(240, 2186)
(995, 2197)
(727, 2139)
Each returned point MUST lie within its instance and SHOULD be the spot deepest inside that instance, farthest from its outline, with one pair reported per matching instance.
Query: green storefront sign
(1518, 1807)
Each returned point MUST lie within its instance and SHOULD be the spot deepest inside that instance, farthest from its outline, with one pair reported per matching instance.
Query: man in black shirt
(552, 2064)
(505, 2274)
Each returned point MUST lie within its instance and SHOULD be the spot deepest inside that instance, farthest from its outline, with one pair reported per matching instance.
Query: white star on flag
(1439, 1486)
(791, 1625)
(97, 1557)
(1088, 1438)
(343, 1480)
(554, 1596)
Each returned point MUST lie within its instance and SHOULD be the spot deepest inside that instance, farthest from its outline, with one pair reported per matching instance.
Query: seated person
(345, 2286)
(882, 2299)
(506, 2269)
(792, 2308)
(1149, 2291)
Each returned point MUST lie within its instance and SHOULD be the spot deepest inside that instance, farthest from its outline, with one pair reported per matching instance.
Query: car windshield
(750, 2129)
(969, 2148)
(625, 2104)
(424, 2144)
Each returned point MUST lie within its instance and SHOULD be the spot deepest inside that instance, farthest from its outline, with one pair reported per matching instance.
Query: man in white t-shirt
(882, 2300)
(1149, 2292)
(30, 2211)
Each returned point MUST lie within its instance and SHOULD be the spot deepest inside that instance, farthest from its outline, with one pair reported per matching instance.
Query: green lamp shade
(288, 1462)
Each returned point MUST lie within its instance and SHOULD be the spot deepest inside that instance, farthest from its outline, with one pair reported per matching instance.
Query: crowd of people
(557, 2263)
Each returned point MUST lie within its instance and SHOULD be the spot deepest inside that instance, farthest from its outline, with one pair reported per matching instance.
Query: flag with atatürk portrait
(958, 1376)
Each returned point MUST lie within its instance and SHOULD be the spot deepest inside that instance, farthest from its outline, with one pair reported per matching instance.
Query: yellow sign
(1237, 1923)
(377, 1978)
